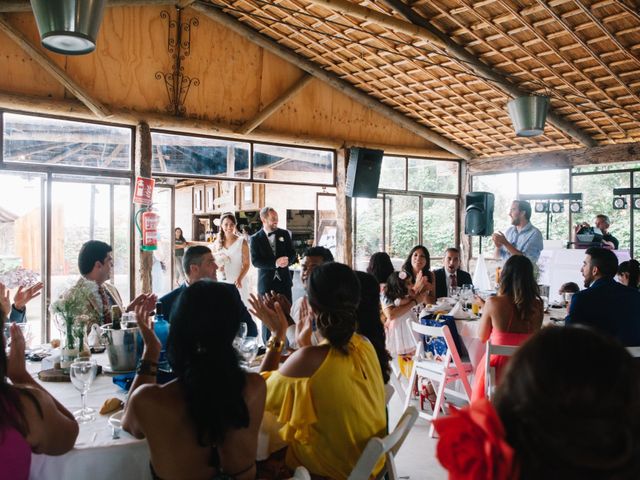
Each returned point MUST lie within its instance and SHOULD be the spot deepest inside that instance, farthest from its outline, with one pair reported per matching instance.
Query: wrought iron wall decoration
(179, 47)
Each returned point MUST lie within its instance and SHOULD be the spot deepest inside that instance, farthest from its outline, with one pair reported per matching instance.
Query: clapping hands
(152, 345)
(270, 312)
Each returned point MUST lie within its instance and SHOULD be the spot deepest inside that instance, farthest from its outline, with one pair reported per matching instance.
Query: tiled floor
(416, 459)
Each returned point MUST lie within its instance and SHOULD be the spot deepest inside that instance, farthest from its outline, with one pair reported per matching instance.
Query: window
(193, 155)
(544, 182)
(392, 173)
(50, 141)
(290, 164)
(435, 176)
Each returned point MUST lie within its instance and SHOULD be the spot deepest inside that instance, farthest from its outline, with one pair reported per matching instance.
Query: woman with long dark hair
(330, 397)
(31, 420)
(418, 267)
(629, 273)
(369, 324)
(380, 267)
(204, 424)
(510, 317)
(180, 243)
(232, 255)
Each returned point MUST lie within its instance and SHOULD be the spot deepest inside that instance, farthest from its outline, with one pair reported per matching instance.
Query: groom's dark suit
(263, 258)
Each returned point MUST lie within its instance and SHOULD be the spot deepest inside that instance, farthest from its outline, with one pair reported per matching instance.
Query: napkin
(459, 313)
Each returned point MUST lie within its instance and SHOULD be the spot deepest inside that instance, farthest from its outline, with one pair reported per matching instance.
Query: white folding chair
(634, 351)
(442, 373)
(388, 393)
(387, 446)
(395, 380)
(301, 473)
(490, 372)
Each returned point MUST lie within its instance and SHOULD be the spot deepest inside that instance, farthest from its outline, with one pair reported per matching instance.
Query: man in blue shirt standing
(521, 238)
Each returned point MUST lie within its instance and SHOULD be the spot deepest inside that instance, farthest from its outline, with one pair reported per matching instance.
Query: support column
(344, 230)
(143, 159)
(465, 240)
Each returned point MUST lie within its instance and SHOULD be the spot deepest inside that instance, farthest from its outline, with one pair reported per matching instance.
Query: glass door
(326, 222)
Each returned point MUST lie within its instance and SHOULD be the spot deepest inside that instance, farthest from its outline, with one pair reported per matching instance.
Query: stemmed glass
(240, 336)
(82, 373)
(466, 295)
(249, 350)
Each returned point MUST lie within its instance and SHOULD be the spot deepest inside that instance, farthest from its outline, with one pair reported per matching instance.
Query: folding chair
(395, 380)
(301, 473)
(489, 371)
(444, 372)
(387, 446)
(634, 351)
(388, 393)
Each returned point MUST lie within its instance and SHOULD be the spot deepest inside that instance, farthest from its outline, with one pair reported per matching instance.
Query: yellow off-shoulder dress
(327, 419)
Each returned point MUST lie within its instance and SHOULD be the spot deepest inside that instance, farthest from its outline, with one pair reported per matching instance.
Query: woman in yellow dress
(326, 400)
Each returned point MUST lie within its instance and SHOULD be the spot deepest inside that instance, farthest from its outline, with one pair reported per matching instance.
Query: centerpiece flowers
(74, 316)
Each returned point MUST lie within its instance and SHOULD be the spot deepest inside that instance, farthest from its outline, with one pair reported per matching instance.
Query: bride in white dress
(232, 255)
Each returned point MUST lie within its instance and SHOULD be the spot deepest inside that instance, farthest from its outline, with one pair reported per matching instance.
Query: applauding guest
(205, 423)
(31, 420)
(330, 397)
(380, 266)
(418, 265)
(521, 238)
(20, 300)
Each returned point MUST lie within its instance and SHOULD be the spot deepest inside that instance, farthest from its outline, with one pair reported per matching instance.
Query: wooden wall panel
(229, 69)
(323, 111)
(131, 48)
(20, 74)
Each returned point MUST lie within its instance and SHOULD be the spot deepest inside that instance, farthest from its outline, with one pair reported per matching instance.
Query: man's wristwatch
(275, 344)
(147, 367)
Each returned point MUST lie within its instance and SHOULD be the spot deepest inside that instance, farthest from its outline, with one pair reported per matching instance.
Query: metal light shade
(69, 27)
(528, 115)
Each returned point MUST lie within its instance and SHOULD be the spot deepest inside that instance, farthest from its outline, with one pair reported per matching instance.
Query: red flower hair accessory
(472, 444)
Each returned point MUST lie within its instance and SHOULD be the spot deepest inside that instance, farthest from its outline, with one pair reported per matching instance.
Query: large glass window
(438, 225)
(368, 230)
(547, 182)
(21, 239)
(194, 155)
(504, 187)
(403, 213)
(435, 176)
(50, 141)
(392, 173)
(292, 164)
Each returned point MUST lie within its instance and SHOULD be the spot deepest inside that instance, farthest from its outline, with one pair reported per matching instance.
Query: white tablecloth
(96, 456)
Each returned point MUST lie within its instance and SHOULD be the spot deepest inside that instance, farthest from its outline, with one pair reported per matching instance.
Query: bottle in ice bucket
(161, 329)
(116, 316)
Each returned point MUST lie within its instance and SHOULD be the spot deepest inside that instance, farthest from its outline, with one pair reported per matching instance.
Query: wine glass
(82, 373)
(249, 350)
(240, 336)
(466, 295)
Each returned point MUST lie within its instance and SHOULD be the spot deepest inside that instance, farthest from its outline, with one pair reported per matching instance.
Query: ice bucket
(121, 347)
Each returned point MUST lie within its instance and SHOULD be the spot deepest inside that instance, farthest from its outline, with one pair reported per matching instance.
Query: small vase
(67, 356)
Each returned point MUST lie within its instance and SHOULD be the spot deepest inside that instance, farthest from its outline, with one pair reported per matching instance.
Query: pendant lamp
(69, 27)
(528, 114)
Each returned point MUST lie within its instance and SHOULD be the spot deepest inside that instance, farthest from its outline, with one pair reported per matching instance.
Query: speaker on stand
(478, 218)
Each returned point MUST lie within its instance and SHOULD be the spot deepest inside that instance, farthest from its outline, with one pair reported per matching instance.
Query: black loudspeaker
(363, 173)
(479, 213)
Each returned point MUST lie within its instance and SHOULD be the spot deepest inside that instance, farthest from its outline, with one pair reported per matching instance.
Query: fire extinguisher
(148, 227)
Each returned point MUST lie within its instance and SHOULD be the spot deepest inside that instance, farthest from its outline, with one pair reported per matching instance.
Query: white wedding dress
(233, 266)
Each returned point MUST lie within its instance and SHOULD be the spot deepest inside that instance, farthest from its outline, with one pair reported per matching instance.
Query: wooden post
(143, 159)
(465, 240)
(344, 229)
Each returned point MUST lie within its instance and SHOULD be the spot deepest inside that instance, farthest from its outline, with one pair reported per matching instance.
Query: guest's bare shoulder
(305, 361)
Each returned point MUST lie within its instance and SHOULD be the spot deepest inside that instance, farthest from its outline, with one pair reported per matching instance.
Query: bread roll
(111, 405)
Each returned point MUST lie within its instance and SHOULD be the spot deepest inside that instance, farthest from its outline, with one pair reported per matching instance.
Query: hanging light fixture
(528, 114)
(69, 27)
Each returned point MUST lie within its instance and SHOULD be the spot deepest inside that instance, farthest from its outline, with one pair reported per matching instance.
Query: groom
(271, 253)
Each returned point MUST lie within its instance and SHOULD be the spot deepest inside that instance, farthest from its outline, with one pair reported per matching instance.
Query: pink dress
(497, 361)
(15, 455)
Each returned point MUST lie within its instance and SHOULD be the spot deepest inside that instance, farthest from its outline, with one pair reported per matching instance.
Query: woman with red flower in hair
(568, 408)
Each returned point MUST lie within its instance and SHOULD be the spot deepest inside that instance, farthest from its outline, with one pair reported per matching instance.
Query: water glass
(82, 373)
(249, 350)
(454, 292)
(240, 336)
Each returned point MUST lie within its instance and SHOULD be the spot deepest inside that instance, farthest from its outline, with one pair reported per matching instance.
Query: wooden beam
(274, 106)
(53, 69)
(621, 152)
(75, 110)
(331, 79)
(143, 162)
(477, 67)
(11, 6)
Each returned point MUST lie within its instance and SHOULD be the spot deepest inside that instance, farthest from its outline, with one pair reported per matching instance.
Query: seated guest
(380, 266)
(629, 273)
(95, 263)
(450, 274)
(313, 257)
(568, 288)
(31, 420)
(199, 264)
(602, 223)
(204, 424)
(369, 324)
(20, 299)
(510, 317)
(568, 408)
(329, 399)
(606, 305)
(418, 265)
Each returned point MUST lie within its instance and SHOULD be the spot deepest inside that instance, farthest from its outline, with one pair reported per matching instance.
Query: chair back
(490, 372)
(388, 393)
(301, 473)
(387, 446)
(452, 354)
(634, 351)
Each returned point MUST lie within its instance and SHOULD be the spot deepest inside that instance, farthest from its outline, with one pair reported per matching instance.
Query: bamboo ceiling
(584, 54)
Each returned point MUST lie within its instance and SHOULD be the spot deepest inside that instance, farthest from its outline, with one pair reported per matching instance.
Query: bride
(232, 255)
